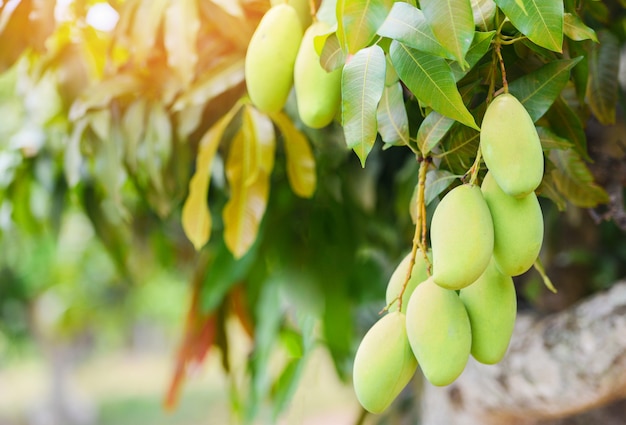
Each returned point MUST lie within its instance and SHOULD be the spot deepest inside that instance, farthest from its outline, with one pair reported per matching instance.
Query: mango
(439, 332)
(271, 57)
(461, 235)
(302, 7)
(419, 273)
(492, 307)
(517, 228)
(318, 93)
(510, 146)
(384, 363)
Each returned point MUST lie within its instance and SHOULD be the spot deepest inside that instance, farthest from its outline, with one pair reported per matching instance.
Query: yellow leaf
(196, 217)
(248, 170)
(182, 24)
(300, 159)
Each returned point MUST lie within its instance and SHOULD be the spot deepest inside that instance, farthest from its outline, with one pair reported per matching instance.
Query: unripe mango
(271, 56)
(419, 273)
(302, 7)
(439, 332)
(517, 228)
(384, 363)
(461, 236)
(492, 307)
(318, 92)
(510, 146)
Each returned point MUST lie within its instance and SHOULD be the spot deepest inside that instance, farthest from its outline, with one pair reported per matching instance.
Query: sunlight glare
(102, 17)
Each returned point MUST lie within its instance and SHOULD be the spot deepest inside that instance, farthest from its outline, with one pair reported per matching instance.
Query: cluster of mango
(280, 56)
(480, 238)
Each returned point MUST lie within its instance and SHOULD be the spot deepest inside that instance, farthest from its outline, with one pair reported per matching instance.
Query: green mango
(419, 273)
(384, 363)
(439, 332)
(510, 146)
(461, 235)
(492, 307)
(517, 228)
(303, 8)
(271, 58)
(318, 93)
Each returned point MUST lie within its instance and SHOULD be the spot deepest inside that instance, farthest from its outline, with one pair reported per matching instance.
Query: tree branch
(556, 366)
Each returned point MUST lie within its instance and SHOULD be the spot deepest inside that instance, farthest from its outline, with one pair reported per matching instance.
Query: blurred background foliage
(102, 108)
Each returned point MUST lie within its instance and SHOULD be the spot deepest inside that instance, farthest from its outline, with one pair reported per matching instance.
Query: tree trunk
(557, 366)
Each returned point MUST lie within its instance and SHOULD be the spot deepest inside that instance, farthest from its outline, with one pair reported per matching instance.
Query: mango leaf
(459, 149)
(358, 21)
(575, 29)
(196, 217)
(437, 181)
(332, 56)
(101, 95)
(182, 24)
(540, 20)
(133, 128)
(550, 140)
(248, 168)
(565, 123)
(362, 84)
(452, 22)
(72, 155)
(580, 73)
(574, 180)
(548, 189)
(432, 130)
(539, 89)
(157, 144)
(144, 30)
(407, 24)
(300, 158)
(222, 77)
(480, 46)
(393, 122)
(431, 80)
(603, 85)
(484, 12)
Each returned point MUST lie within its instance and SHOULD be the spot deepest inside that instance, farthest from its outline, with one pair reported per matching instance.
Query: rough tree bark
(556, 366)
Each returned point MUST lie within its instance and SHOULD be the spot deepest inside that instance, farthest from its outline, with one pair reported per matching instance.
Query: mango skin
(491, 305)
(461, 235)
(439, 332)
(384, 363)
(418, 275)
(318, 93)
(271, 57)
(517, 227)
(510, 146)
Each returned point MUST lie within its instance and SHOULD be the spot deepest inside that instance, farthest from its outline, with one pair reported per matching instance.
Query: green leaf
(574, 180)
(196, 217)
(480, 46)
(603, 85)
(407, 24)
(460, 147)
(358, 21)
(539, 89)
(248, 168)
(182, 24)
(436, 182)
(332, 56)
(432, 130)
(431, 80)
(575, 29)
(565, 123)
(393, 122)
(550, 140)
(484, 13)
(362, 85)
(157, 144)
(452, 22)
(300, 158)
(580, 73)
(133, 128)
(541, 21)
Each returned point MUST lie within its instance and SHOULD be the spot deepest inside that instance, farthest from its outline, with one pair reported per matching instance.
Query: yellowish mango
(419, 273)
(439, 332)
(384, 363)
(517, 228)
(318, 93)
(492, 307)
(271, 56)
(510, 146)
(461, 236)
(303, 8)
